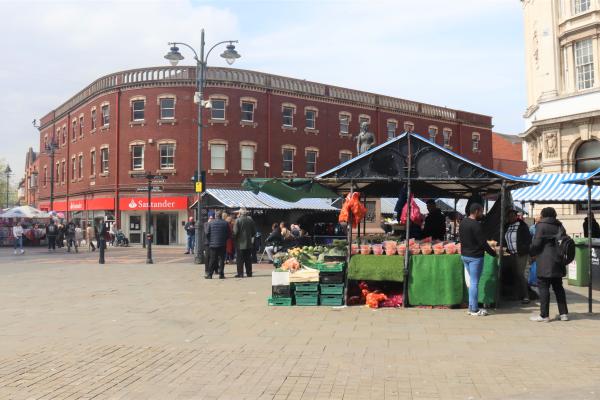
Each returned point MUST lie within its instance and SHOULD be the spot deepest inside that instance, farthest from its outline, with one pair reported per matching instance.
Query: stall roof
(288, 189)
(557, 188)
(230, 198)
(24, 212)
(436, 172)
(592, 177)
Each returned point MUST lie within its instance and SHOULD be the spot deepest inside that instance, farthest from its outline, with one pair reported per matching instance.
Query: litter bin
(578, 271)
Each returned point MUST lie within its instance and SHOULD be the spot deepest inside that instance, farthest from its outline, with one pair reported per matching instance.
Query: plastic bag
(415, 214)
(532, 280)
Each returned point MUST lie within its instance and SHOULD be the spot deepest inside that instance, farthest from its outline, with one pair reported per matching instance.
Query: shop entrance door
(166, 229)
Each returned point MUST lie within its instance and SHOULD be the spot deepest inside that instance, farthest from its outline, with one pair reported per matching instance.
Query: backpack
(565, 249)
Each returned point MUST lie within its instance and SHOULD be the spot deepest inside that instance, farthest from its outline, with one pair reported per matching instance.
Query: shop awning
(557, 188)
(436, 172)
(290, 190)
(229, 198)
(590, 177)
(24, 212)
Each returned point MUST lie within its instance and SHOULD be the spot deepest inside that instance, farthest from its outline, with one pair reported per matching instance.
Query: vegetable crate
(331, 277)
(330, 267)
(282, 291)
(307, 298)
(280, 301)
(332, 299)
(332, 288)
(306, 287)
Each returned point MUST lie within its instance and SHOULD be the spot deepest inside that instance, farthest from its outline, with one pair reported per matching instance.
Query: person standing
(190, 229)
(217, 238)
(78, 235)
(17, 232)
(473, 246)
(273, 241)
(518, 241)
(435, 222)
(51, 232)
(90, 235)
(243, 233)
(211, 217)
(230, 246)
(549, 269)
(595, 228)
(71, 237)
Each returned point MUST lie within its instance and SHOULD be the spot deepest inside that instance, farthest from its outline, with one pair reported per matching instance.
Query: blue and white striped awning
(231, 198)
(553, 189)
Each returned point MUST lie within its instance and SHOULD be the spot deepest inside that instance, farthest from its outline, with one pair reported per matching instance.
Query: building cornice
(259, 82)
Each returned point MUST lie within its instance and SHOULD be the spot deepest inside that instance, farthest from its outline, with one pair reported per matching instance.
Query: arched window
(587, 157)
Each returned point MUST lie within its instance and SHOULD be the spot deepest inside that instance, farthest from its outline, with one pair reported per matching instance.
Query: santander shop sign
(159, 203)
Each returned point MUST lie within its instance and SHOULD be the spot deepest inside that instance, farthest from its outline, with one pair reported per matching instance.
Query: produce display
(376, 246)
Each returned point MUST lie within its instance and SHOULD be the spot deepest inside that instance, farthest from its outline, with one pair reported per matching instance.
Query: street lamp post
(7, 171)
(174, 56)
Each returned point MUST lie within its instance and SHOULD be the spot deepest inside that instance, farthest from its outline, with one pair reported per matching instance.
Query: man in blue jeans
(190, 229)
(473, 244)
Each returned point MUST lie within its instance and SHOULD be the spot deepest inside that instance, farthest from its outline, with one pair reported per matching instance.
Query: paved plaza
(73, 329)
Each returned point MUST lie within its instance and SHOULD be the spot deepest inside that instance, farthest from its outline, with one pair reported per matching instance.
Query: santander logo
(160, 203)
(132, 204)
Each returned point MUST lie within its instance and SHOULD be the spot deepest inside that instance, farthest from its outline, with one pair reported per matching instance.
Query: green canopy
(288, 189)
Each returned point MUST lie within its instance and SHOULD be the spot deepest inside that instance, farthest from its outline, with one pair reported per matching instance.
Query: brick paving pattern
(72, 329)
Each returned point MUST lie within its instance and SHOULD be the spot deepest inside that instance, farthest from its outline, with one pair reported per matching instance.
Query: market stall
(32, 220)
(408, 166)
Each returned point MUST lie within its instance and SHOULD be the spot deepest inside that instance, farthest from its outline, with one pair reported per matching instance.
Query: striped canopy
(553, 188)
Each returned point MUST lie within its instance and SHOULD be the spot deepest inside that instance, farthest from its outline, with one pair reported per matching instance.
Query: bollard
(101, 247)
(143, 240)
(149, 249)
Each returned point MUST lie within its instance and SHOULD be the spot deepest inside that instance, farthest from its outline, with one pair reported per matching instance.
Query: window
(167, 156)
(80, 166)
(167, 108)
(587, 157)
(247, 111)
(64, 135)
(311, 119)
(73, 167)
(345, 156)
(580, 6)
(137, 110)
(311, 162)
(409, 127)
(93, 119)
(288, 116)
(104, 160)
(57, 174)
(74, 130)
(137, 157)
(344, 124)
(105, 115)
(247, 158)
(288, 160)
(433, 131)
(217, 111)
(64, 171)
(391, 129)
(81, 126)
(475, 137)
(93, 162)
(45, 175)
(584, 64)
(447, 135)
(217, 156)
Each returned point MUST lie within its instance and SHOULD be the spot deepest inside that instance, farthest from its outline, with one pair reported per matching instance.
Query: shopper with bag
(550, 267)
(518, 241)
(51, 232)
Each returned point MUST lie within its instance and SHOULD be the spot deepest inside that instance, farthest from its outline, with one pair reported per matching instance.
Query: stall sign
(77, 205)
(158, 203)
(103, 203)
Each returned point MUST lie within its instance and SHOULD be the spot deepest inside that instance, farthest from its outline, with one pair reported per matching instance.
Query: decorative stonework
(551, 145)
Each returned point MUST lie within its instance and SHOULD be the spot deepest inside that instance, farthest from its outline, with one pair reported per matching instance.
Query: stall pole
(364, 223)
(589, 187)
(407, 253)
(486, 205)
(349, 255)
(455, 219)
(500, 242)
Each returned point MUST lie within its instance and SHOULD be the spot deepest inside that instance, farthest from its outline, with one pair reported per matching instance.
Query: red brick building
(257, 125)
(507, 153)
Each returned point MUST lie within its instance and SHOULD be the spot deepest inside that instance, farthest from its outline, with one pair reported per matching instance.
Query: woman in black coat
(549, 270)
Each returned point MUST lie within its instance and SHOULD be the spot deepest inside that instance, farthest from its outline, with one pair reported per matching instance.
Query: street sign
(158, 177)
(153, 188)
(139, 175)
(199, 187)
(149, 176)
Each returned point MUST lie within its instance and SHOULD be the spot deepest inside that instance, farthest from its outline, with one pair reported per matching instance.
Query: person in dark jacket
(244, 232)
(190, 229)
(216, 236)
(273, 241)
(518, 241)
(51, 232)
(473, 246)
(435, 222)
(549, 270)
(595, 228)
(71, 237)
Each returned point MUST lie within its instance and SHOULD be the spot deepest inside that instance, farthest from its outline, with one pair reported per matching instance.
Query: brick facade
(507, 153)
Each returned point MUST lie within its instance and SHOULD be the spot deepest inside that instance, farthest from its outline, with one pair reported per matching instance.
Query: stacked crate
(331, 285)
(306, 294)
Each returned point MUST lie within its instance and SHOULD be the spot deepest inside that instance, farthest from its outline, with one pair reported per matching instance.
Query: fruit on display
(377, 249)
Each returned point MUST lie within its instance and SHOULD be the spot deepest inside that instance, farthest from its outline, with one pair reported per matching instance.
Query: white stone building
(562, 120)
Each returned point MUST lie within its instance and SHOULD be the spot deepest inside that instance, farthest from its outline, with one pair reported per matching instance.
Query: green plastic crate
(331, 267)
(280, 301)
(306, 287)
(332, 299)
(307, 299)
(332, 288)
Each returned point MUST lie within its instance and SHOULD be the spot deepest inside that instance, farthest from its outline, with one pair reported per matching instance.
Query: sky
(462, 54)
